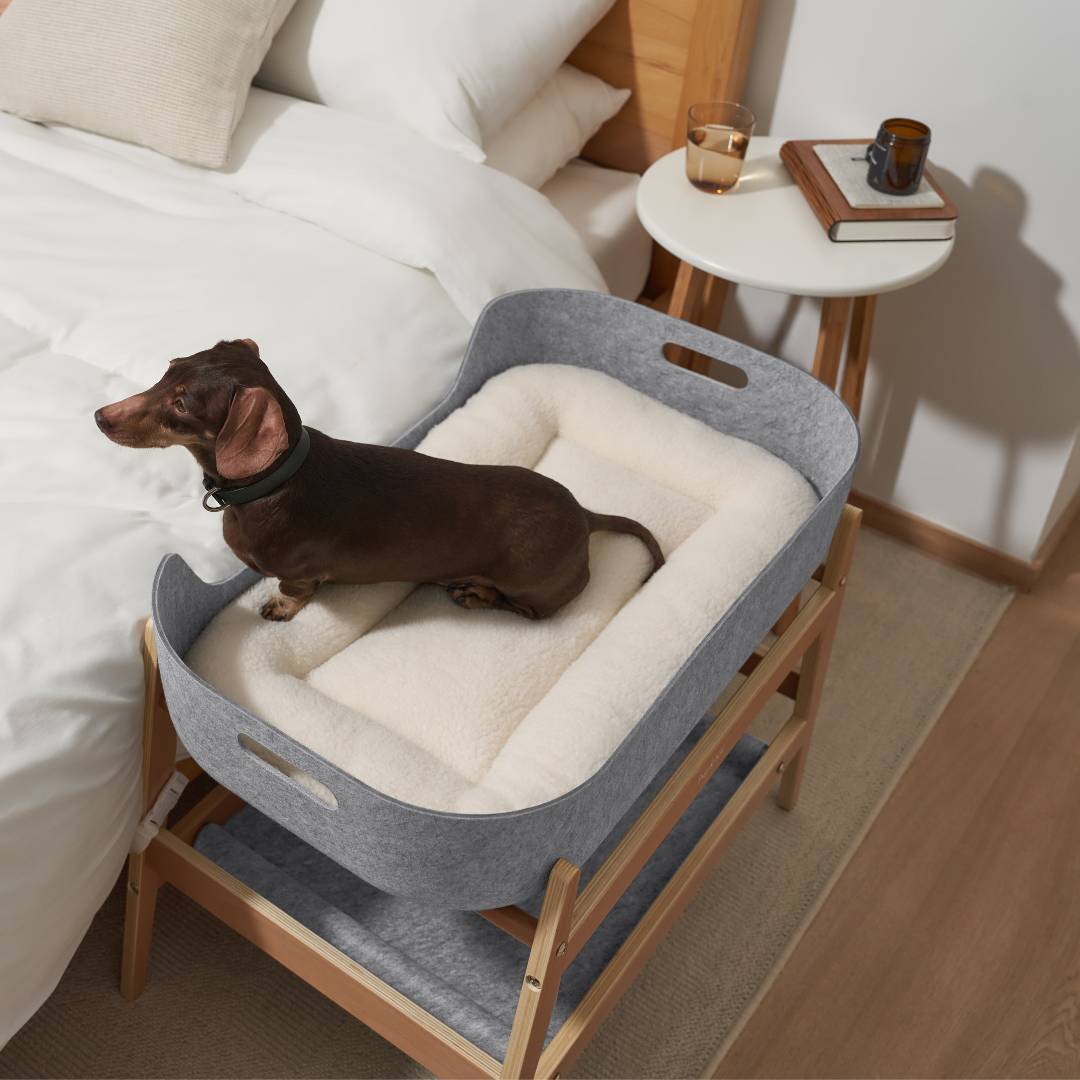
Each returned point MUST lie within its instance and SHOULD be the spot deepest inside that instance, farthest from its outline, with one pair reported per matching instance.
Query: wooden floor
(950, 947)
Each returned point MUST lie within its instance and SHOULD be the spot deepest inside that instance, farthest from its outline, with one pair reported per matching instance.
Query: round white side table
(763, 233)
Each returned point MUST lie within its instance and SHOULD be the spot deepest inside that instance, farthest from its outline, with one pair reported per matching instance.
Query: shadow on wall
(983, 342)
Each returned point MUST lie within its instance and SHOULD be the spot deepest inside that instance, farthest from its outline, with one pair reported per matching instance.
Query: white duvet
(355, 254)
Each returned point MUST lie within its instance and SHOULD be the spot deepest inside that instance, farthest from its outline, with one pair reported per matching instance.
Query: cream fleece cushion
(484, 711)
(172, 75)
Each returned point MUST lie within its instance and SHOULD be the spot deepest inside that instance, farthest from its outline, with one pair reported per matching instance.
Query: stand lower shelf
(455, 964)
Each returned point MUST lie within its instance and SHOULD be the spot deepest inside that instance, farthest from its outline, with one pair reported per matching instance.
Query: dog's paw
(469, 601)
(279, 609)
(473, 596)
(461, 595)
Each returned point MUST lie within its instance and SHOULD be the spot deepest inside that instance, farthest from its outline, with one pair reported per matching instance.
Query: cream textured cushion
(554, 127)
(172, 75)
(484, 711)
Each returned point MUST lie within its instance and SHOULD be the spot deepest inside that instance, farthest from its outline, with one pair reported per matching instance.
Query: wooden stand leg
(542, 973)
(835, 311)
(858, 352)
(142, 890)
(815, 662)
(159, 753)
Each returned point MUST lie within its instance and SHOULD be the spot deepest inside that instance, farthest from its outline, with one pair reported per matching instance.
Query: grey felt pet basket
(477, 861)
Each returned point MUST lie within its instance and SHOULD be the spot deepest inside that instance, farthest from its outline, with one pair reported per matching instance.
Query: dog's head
(222, 403)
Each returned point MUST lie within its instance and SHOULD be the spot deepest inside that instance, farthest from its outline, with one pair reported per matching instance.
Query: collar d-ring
(212, 493)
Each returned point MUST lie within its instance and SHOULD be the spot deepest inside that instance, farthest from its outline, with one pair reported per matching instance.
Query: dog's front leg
(291, 597)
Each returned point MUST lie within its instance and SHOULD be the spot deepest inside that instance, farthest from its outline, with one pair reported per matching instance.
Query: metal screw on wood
(843, 581)
(532, 982)
(780, 768)
(561, 949)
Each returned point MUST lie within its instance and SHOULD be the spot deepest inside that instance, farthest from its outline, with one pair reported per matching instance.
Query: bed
(117, 258)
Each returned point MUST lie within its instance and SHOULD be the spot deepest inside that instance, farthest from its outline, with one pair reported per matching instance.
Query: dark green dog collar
(250, 492)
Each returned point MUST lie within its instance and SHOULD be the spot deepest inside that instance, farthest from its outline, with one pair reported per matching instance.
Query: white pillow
(453, 70)
(554, 127)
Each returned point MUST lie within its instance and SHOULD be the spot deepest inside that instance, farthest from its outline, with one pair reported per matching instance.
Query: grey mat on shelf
(455, 964)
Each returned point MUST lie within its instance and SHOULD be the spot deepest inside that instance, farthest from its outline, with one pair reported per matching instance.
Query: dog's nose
(102, 421)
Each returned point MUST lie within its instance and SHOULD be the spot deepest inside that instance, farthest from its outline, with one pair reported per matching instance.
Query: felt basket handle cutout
(307, 783)
(720, 370)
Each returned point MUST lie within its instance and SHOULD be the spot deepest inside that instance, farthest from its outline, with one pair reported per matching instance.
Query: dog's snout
(122, 419)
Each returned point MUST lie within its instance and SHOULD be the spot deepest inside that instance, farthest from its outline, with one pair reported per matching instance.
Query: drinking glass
(717, 135)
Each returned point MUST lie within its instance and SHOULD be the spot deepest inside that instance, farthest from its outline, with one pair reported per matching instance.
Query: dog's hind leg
(473, 594)
(536, 603)
(291, 597)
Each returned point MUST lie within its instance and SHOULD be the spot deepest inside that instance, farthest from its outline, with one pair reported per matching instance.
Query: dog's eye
(179, 405)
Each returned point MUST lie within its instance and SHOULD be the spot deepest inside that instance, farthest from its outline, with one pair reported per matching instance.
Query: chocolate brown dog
(306, 508)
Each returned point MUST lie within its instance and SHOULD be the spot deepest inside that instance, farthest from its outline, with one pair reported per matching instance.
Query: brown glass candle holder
(897, 157)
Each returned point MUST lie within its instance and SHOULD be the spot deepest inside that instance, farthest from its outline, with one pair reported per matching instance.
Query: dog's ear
(253, 434)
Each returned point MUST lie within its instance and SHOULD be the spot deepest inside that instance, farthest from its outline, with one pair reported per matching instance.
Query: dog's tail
(615, 523)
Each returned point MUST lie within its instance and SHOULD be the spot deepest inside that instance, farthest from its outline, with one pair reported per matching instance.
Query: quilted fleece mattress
(481, 712)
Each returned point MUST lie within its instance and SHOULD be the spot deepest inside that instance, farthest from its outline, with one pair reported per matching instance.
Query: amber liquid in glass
(714, 157)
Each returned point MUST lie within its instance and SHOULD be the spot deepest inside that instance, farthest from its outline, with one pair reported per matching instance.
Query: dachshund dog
(307, 509)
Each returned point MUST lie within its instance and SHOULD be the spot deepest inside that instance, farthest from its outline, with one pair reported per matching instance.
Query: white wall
(972, 409)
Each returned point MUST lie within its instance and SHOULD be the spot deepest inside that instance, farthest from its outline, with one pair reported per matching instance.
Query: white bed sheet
(355, 256)
(601, 205)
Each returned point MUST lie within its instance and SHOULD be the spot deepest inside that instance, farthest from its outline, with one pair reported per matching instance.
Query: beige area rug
(216, 1007)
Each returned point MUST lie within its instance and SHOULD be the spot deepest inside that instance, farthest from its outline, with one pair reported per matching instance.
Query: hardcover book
(928, 215)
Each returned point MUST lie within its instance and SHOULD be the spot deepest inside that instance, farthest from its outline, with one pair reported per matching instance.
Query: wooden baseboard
(948, 546)
(1057, 533)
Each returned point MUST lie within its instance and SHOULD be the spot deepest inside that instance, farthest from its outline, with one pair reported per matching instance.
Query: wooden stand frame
(567, 918)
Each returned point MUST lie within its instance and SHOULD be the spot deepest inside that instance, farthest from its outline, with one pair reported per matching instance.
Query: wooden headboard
(670, 53)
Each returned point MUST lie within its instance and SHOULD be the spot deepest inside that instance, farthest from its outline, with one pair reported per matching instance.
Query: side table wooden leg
(685, 304)
(712, 301)
(858, 352)
(713, 296)
(835, 311)
(687, 292)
